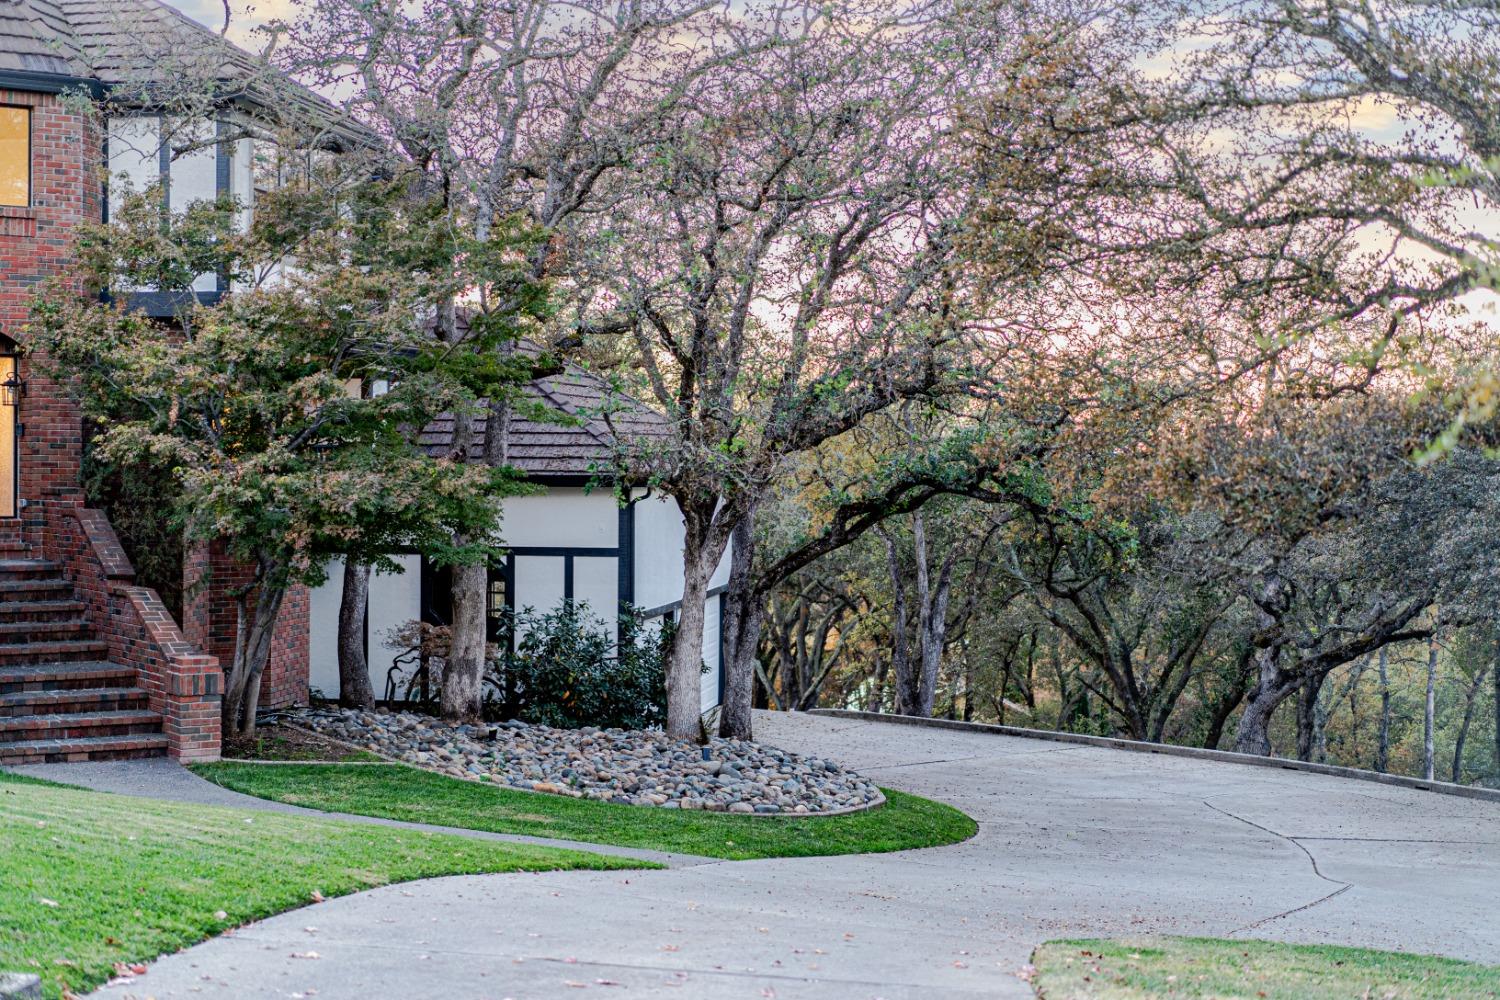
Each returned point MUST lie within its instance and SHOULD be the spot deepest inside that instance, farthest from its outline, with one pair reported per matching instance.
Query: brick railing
(184, 683)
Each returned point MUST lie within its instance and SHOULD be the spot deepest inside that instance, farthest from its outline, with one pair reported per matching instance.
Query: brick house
(93, 665)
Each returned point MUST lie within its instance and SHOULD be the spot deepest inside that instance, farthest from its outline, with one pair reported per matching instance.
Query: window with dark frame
(15, 157)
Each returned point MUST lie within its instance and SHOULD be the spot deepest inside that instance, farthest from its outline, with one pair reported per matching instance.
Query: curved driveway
(1073, 841)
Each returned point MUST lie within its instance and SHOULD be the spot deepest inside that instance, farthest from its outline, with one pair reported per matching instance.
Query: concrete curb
(847, 810)
(1169, 750)
(20, 986)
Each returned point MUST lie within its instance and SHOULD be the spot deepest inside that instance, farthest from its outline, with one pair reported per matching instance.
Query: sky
(245, 15)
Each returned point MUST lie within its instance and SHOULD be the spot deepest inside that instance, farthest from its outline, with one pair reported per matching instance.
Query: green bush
(567, 672)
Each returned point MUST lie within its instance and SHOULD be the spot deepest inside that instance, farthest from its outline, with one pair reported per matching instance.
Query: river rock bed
(643, 768)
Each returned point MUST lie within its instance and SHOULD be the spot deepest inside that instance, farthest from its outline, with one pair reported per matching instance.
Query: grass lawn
(88, 879)
(1253, 970)
(283, 743)
(406, 793)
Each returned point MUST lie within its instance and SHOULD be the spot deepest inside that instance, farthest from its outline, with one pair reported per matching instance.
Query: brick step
(14, 633)
(54, 676)
(51, 589)
(28, 569)
(66, 701)
(77, 725)
(85, 748)
(65, 651)
(41, 611)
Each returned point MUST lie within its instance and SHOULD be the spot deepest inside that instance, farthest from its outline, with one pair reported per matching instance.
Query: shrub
(567, 672)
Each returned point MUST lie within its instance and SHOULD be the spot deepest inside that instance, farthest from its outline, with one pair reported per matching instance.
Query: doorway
(10, 462)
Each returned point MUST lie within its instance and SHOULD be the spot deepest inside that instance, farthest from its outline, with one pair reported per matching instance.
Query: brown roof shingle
(545, 450)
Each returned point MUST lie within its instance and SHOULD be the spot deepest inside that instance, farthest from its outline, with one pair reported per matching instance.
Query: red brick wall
(35, 244)
(185, 685)
(210, 618)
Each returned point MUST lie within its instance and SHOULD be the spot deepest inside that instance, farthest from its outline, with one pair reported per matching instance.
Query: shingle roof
(112, 41)
(37, 37)
(546, 450)
(129, 40)
(146, 45)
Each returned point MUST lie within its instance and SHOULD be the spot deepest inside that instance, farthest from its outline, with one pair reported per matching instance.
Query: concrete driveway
(1073, 841)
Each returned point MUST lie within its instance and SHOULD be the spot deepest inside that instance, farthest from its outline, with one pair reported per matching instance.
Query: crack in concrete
(1312, 859)
(1398, 840)
(811, 977)
(977, 756)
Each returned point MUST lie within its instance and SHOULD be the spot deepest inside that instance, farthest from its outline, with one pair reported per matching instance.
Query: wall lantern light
(12, 390)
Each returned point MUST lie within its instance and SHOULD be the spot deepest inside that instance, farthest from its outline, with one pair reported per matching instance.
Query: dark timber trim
(164, 166)
(567, 551)
(223, 180)
(625, 539)
(48, 83)
(720, 697)
(663, 609)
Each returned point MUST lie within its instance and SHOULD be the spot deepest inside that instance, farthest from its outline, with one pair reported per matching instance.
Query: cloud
(244, 18)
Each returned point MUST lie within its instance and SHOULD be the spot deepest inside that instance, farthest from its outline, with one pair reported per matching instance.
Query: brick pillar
(210, 619)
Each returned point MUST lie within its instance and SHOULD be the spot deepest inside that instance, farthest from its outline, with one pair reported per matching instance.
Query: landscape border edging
(1172, 750)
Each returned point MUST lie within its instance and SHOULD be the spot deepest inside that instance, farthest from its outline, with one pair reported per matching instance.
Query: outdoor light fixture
(11, 390)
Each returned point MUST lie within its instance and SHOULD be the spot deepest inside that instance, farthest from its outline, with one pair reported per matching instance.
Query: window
(15, 156)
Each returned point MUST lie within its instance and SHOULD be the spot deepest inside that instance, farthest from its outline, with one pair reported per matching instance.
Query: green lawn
(1252, 970)
(406, 793)
(88, 879)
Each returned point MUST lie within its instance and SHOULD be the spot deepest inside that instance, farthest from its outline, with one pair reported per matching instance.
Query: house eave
(49, 83)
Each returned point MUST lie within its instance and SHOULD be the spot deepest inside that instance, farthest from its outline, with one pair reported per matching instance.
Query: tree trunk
(1271, 684)
(1254, 735)
(354, 670)
(907, 699)
(1383, 735)
(685, 668)
(1497, 710)
(1429, 736)
(463, 672)
(875, 701)
(742, 622)
(1470, 700)
(1227, 702)
(252, 654)
(1307, 716)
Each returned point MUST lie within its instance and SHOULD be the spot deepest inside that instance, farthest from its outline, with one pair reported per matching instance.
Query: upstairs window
(15, 156)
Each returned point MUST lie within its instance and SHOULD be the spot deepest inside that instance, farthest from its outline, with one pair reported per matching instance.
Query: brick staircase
(60, 697)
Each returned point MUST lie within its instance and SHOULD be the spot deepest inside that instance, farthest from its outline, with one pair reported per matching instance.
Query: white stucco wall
(562, 516)
(395, 598)
(710, 680)
(596, 582)
(539, 583)
(134, 154)
(658, 553)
